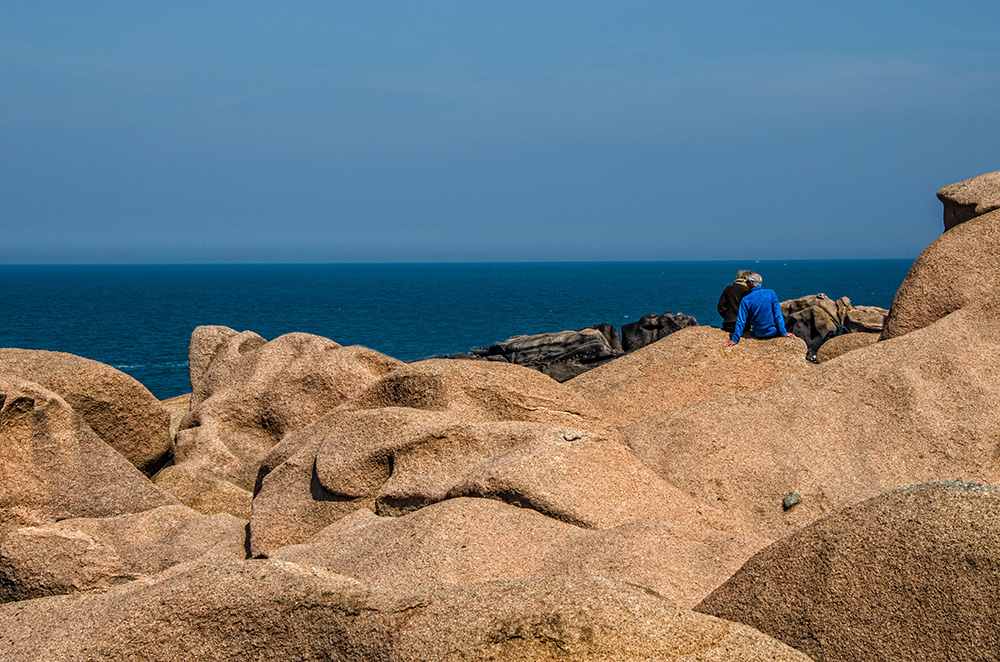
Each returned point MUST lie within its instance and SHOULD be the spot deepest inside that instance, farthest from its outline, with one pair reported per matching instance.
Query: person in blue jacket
(760, 314)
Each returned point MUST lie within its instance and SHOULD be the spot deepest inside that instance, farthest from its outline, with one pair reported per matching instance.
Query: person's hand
(730, 342)
(790, 335)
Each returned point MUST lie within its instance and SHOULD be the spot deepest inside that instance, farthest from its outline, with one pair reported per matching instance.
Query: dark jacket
(729, 304)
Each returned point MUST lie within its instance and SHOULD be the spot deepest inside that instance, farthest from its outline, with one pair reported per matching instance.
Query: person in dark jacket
(729, 302)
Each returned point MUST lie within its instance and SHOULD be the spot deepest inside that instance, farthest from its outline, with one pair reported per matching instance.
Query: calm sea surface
(139, 318)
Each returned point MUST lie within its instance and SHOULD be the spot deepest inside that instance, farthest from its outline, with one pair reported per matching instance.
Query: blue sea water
(139, 318)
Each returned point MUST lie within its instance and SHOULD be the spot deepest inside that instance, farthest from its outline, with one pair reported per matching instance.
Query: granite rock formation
(915, 409)
(117, 407)
(912, 574)
(689, 366)
(844, 343)
(959, 267)
(247, 394)
(75, 515)
(973, 197)
(565, 354)
(817, 318)
(437, 431)
(53, 466)
(561, 355)
(650, 328)
(266, 610)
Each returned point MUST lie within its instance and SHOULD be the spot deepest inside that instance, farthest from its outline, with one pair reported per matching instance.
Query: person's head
(742, 275)
(754, 280)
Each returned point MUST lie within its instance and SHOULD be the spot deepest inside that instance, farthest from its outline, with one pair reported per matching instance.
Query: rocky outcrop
(266, 610)
(973, 197)
(678, 561)
(560, 355)
(439, 430)
(844, 343)
(251, 394)
(565, 354)
(77, 516)
(909, 575)
(118, 408)
(916, 409)
(959, 267)
(689, 366)
(177, 408)
(650, 328)
(53, 466)
(817, 318)
(91, 554)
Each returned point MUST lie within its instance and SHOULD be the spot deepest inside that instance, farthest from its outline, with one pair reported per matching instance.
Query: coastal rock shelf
(641, 494)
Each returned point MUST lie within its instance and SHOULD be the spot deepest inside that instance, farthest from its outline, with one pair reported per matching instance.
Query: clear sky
(488, 131)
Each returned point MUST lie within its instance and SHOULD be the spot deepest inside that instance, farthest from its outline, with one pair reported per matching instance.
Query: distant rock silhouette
(561, 355)
(650, 328)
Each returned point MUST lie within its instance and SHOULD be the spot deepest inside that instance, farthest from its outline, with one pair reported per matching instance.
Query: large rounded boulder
(959, 267)
(912, 574)
(117, 407)
(53, 466)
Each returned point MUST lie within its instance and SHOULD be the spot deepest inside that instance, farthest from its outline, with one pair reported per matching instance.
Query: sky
(384, 131)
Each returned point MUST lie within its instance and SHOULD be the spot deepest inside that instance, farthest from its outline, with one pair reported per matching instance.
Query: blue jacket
(760, 314)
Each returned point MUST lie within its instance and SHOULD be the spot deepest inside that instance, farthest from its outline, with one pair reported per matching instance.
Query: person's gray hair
(755, 279)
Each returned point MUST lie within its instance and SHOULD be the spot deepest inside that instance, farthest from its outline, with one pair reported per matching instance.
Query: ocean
(139, 318)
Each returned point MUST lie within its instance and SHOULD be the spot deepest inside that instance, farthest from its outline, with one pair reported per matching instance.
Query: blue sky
(473, 131)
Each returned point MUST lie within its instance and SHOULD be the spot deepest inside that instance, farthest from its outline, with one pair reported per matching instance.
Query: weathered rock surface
(86, 554)
(250, 395)
(959, 267)
(817, 318)
(75, 515)
(919, 408)
(423, 425)
(650, 328)
(117, 407)
(437, 431)
(844, 343)
(53, 466)
(973, 197)
(865, 319)
(265, 610)
(177, 408)
(689, 366)
(912, 574)
(206, 341)
(561, 355)
(462, 536)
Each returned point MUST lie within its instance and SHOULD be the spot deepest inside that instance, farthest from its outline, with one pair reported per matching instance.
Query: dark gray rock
(611, 334)
(561, 355)
(653, 327)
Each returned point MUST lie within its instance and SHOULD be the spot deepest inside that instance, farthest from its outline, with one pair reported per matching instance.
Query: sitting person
(729, 302)
(759, 314)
